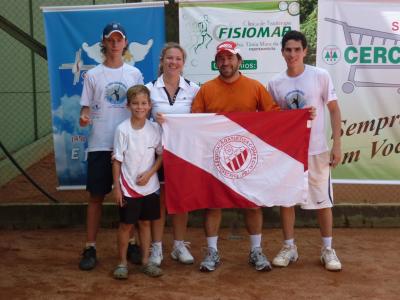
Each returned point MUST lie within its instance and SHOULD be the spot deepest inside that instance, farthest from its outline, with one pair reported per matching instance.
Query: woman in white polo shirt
(170, 93)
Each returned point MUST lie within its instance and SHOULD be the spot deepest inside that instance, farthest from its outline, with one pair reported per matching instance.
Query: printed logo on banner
(256, 27)
(204, 38)
(370, 53)
(293, 7)
(235, 156)
(77, 67)
(136, 52)
(249, 64)
(331, 54)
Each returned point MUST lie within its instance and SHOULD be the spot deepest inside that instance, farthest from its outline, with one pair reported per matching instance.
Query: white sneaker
(211, 261)
(182, 254)
(285, 256)
(259, 260)
(330, 260)
(156, 255)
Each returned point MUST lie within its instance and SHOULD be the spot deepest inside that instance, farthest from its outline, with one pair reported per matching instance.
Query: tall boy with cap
(103, 105)
(231, 91)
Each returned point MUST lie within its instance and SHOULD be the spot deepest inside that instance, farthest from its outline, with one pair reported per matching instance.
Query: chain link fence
(25, 116)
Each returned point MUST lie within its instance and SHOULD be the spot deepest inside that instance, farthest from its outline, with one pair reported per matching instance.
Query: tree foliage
(308, 25)
(306, 8)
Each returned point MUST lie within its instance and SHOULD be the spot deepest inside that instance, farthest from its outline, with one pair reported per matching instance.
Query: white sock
(289, 242)
(212, 242)
(157, 244)
(90, 244)
(255, 241)
(177, 243)
(327, 242)
(132, 241)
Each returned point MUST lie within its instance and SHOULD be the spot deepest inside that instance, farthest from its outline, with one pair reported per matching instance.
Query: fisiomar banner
(256, 26)
(359, 44)
(73, 36)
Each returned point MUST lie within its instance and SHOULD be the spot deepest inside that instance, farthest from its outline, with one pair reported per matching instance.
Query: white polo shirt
(164, 103)
(135, 149)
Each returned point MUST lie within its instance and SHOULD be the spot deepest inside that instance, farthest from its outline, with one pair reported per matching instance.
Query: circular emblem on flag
(235, 156)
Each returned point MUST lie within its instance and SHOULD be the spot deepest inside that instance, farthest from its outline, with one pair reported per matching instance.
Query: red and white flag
(235, 160)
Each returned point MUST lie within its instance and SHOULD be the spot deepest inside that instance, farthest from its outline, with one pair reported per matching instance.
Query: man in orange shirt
(231, 91)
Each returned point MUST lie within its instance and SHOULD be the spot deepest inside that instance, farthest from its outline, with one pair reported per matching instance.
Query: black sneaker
(88, 261)
(134, 255)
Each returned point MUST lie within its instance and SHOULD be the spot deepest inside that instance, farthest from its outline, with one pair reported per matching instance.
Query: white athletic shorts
(320, 193)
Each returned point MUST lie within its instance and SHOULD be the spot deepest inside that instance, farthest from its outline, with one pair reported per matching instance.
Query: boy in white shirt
(136, 142)
(103, 106)
(298, 87)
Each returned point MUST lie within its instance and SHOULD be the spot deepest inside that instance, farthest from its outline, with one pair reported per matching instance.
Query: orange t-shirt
(243, 95)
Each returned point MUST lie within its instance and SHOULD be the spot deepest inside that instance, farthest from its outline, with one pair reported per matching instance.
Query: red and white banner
(235, 160)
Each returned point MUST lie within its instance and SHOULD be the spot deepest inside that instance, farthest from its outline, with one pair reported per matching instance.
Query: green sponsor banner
(256, 27)
(246, 65)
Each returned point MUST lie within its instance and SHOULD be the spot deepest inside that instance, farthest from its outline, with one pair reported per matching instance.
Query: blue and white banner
(73, 36)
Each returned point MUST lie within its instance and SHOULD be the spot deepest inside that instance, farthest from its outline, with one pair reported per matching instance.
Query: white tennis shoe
(286, 255)
(181, 253)
(330, 260)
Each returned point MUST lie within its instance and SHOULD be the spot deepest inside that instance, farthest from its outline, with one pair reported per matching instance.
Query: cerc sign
(372, 55)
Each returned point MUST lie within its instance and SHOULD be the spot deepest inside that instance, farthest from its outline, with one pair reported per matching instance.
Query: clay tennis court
(43, 264)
